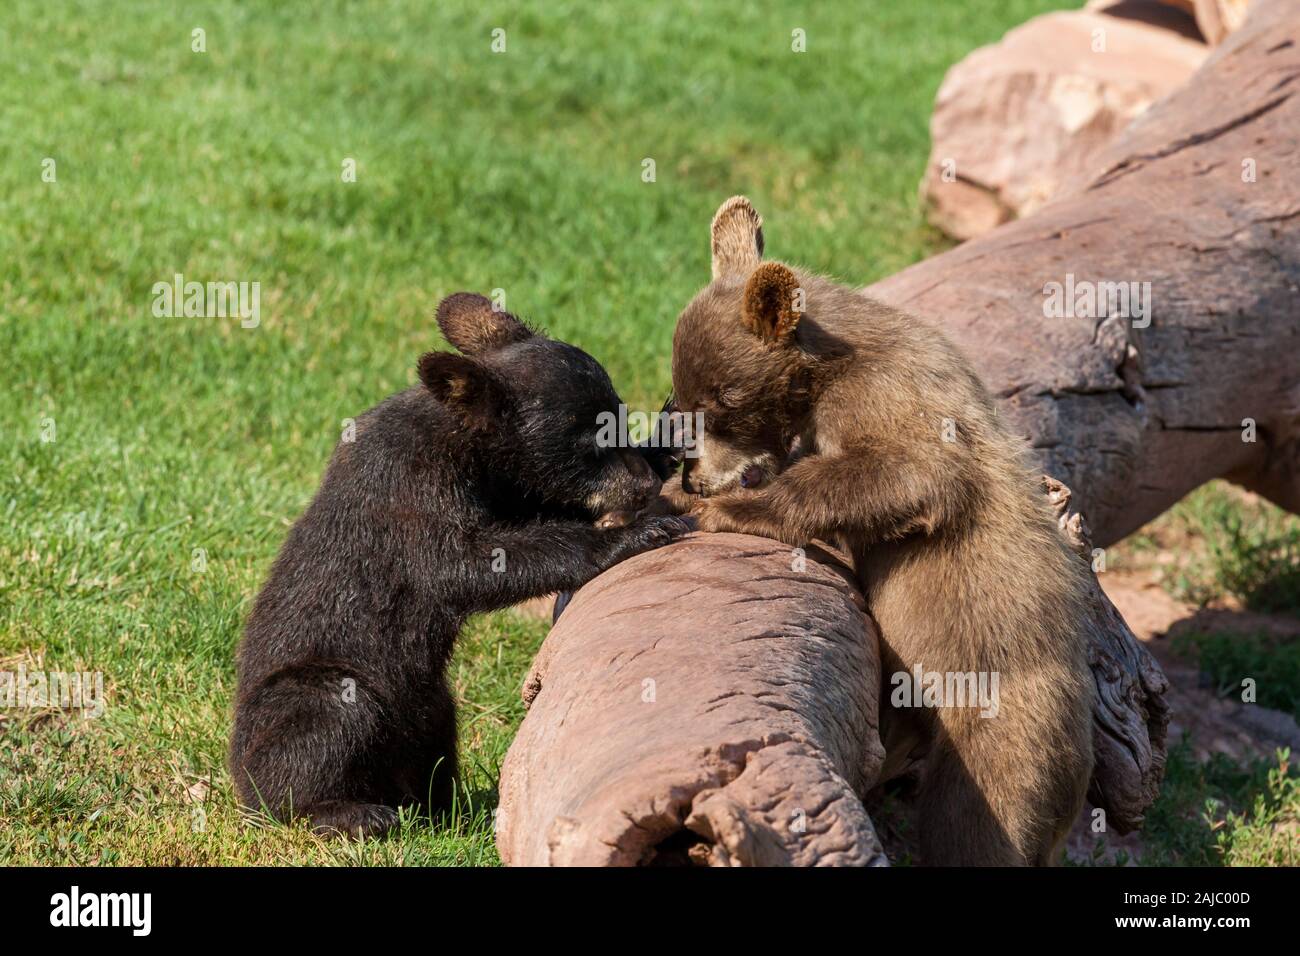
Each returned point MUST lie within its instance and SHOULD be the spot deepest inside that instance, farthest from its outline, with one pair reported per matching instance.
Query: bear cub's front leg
(474, 490)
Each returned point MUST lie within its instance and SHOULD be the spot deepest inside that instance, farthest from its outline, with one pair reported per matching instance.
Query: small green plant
(1251, 550)
(1268, 833)
(1271, 662)
(1219, 813)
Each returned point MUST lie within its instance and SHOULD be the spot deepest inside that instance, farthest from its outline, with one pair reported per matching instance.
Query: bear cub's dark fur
(473, 490)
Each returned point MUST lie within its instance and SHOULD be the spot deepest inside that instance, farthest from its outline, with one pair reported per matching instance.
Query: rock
(1214, 19)
(1015, 120)
(1175, 15)
(1218, 18)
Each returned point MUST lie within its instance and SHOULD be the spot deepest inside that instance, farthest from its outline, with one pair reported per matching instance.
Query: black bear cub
(478, 488)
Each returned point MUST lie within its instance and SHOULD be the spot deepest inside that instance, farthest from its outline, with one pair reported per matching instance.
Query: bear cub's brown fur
(900, 456)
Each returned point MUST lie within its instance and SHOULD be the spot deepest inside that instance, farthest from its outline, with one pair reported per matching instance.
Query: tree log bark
(766, 680)
(711, 702)
(1134, 418)
(1130, 715)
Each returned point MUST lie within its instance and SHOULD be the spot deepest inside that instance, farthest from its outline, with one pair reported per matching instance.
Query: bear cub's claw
(657, 531)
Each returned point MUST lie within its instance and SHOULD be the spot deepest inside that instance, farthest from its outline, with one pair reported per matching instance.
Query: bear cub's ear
(736, 237)
(469, 322)
(471, 391)
(772, 303)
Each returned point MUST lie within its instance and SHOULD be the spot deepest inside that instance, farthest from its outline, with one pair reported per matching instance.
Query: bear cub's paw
(645, 534)
(337, 818)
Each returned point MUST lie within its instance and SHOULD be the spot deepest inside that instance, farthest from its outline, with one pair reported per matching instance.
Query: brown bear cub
(843, 419)
(475, 489)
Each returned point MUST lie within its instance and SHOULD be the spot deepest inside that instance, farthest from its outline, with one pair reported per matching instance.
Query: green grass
(1252, 552)
(1243, 548)
(183, 448)
(1218, 813)
(146, 782)
(1271, 661)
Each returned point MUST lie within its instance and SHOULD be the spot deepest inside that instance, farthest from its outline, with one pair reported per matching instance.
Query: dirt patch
(1213, 724)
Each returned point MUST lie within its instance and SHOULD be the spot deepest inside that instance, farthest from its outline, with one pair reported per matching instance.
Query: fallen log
(770, 702)
(775, 677)
(1197, 203)
(710, 702)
